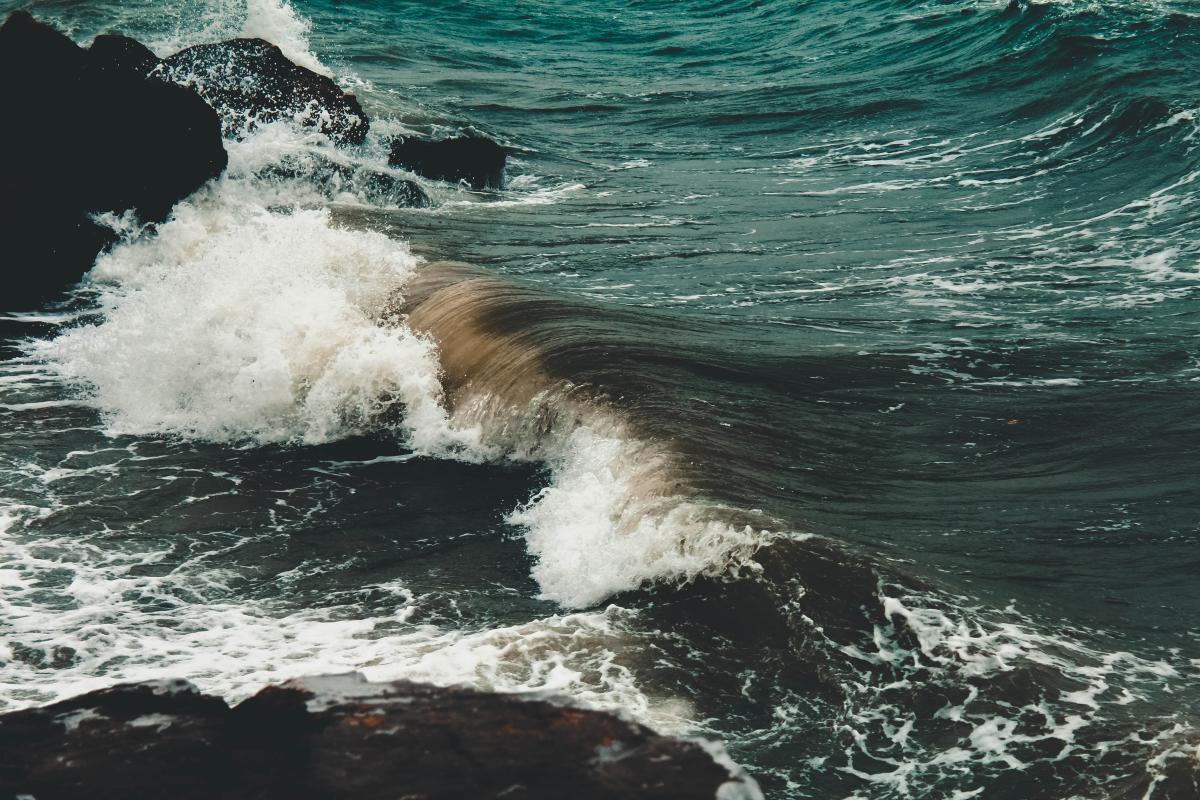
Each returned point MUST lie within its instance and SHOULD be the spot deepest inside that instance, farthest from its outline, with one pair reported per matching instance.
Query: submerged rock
(474, 160)
(250, 81)
(86, 132)
(341, 737)
(333, 178)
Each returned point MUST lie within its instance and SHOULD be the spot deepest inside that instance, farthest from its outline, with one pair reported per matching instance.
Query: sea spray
(235, 323)
(605, 525)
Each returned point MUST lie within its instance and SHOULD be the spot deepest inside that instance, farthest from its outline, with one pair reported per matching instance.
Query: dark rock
(474, 160)
(86, 133)
(383, 189)
(341, 737)
(333, 178)
(250, 81)
(114, 52)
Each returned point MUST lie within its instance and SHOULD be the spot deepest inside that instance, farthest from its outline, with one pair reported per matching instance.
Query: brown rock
(342, 737)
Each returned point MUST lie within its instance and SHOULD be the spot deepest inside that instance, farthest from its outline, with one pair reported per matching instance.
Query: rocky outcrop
(86, 132)
(474, 160)
(250, 81)
(341, 737)
(114, 52)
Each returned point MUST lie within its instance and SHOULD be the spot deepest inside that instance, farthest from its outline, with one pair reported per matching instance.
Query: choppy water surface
(828, 386)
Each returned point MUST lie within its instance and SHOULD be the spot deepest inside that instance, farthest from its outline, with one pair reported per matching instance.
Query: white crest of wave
(235, 323)
(209, 21)
(610, 521)
(279, 23)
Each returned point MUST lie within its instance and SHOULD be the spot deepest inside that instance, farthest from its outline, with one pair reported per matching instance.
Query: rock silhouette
(86, 132)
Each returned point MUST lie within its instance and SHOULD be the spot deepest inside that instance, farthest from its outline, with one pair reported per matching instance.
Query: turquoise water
(916, 279)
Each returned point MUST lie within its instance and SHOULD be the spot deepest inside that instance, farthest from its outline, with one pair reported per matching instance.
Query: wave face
(831, 392)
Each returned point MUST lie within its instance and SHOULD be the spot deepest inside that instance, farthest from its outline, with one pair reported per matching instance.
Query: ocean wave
(236, 323)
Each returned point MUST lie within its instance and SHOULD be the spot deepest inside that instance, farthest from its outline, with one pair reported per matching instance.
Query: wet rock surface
(332, 179)
(474, 160)
(250, 81)
(342, 737)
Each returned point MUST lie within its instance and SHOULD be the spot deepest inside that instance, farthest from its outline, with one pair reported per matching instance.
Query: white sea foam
(112, 622)
(606, 523)
(278, 23)
(236, 323)
(956, 646)
(219, 20)
(459, 200)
